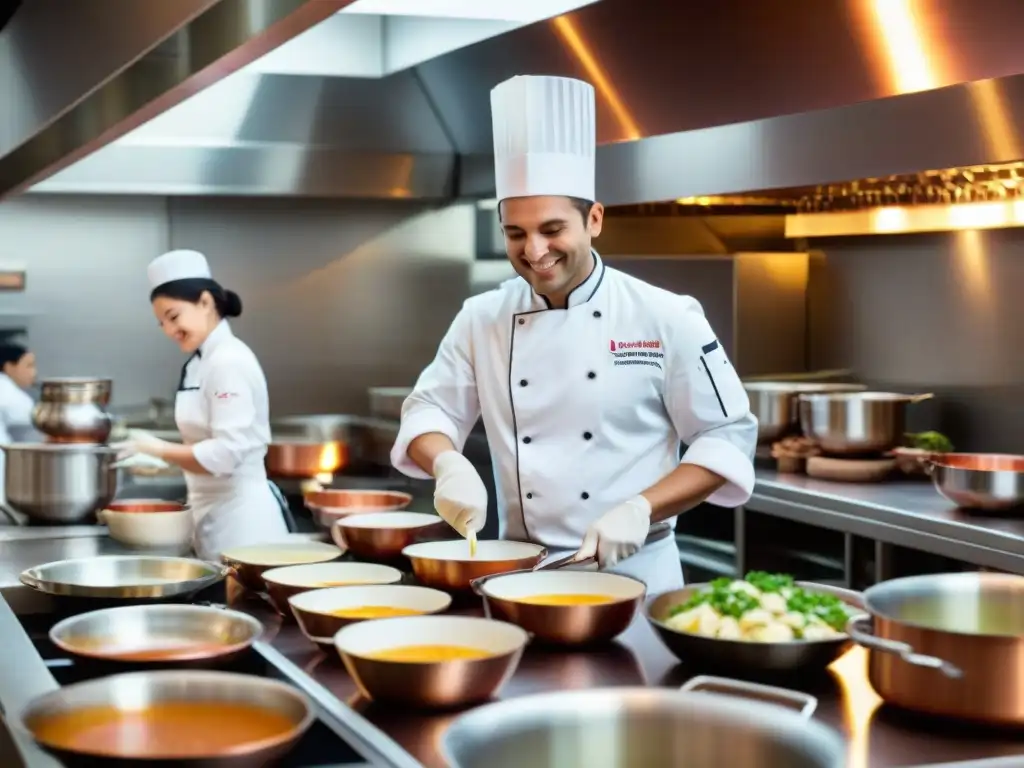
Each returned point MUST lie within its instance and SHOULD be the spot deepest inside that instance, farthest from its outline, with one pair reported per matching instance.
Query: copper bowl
(437, 685)
(284, 583)
(447, 564)
(248, 564)
(315, 610)
(302, 459)
(987, 481)
(582, 624)
(332, 504)
(383, 535)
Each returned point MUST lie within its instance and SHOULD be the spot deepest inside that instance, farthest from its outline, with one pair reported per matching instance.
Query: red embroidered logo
(225, 395)
(644, 344)
(641, 352)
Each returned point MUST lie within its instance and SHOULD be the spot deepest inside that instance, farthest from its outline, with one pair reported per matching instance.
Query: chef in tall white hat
(587, 379)
(221, 409)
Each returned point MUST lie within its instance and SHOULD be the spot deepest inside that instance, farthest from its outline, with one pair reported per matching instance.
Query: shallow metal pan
(124, 577)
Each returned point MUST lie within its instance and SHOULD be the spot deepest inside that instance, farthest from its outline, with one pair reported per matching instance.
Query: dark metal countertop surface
(908, 513)
(878, 737)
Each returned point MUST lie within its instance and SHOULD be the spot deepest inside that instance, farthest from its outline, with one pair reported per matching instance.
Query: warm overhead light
(525, 11)
(901, 220)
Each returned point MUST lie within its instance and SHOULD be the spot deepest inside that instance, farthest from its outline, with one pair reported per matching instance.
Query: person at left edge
(17, 374)
(221, 409)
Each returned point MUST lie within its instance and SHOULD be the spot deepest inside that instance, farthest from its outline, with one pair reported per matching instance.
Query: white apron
(586, 407)
(228, 510)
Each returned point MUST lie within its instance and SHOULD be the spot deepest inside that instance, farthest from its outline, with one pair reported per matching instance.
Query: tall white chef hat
(545, 136)
(177, 265)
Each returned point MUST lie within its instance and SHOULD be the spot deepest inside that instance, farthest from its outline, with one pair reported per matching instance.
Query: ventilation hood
(693, 99)
(75, 76)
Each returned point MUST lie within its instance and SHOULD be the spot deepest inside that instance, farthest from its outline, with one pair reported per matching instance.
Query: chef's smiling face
(186, 323)
(548, 239)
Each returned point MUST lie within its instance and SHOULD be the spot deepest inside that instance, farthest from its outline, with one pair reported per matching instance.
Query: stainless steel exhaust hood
(74, 76)
(693, 99)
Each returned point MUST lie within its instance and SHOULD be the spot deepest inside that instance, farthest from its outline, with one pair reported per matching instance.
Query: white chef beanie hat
(177, 265)
(545, 136)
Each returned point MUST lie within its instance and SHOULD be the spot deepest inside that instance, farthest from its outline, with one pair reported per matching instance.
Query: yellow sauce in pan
(430, 654)
(569, 599)
(374, 612)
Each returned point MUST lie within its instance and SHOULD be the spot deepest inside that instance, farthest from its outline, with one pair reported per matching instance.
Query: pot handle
(803, 702)
(859, 630)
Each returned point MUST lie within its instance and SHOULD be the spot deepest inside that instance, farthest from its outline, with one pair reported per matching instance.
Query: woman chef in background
(587, 379)
(17, 374)
(221, 409)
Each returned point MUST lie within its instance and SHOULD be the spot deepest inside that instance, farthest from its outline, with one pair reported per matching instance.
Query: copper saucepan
(303, 459)
(383, 535)
(448, 565)
(329, 505)
(989, 481)
(248, 564)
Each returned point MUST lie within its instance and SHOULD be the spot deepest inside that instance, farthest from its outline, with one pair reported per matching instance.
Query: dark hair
(227, 303)
(11, 353)
(581, 205)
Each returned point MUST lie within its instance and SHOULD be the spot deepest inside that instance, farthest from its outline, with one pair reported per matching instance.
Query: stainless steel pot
(849, 423)
(774, 404)
(947, 644)
(988, 481)
(627, 727)
(74, 410)
(59, 483)
(136, 690)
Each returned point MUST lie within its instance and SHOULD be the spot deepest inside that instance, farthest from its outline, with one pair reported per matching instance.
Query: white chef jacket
(222, 410)
(586, 407)
(15, 419)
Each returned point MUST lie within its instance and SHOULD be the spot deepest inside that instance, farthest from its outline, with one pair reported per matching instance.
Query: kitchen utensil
(188, 635)
(383, 535)
(146, 523)
(132, 691)
(988, 481)
(774, 403)
(947, 644)
(850, 423)
(299, 458)
(59, 483)
(441, 684)
(333, 504)
(283, 583)
(447, 564)
(248, 564)
(710, 723)
(316, 612)
(792, 656)
(124, 577)
(849, 470)
(73, 410)
(582, 624)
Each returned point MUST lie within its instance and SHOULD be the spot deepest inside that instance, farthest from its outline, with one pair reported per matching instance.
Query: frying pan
(124, 577)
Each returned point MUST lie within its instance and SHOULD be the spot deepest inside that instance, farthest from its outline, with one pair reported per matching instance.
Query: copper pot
(248, 564)
(302, 459)
(317, 611)
(988, 481)
(332, 504)
(284, 583)
(505, 598)
(383, 535)
(448, 565)
(947, 644)
(442, 684)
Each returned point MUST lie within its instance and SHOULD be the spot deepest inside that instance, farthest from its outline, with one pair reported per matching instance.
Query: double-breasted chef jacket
(585, 407)
(222, 410)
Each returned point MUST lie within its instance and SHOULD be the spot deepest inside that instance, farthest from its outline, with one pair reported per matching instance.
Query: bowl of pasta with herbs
(764, 621)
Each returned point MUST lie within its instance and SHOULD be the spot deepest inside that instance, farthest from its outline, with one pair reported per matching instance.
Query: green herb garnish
(934, 442)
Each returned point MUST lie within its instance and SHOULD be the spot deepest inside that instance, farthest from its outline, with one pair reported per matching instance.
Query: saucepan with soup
(248, 564)
(284, 583)
(450, 565)
(564, 607)
(322, 612)
(180, 717)
(155, 635)
(433, 662)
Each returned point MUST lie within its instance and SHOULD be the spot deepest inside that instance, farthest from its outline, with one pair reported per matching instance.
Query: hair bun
(232, 304)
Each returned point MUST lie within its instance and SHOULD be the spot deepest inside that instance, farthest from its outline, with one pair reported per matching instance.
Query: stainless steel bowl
(774, 404)
(124, 577)
(59, 483)
(75, 391)
(72, 422)
(136, 690)
(634, 727)
(737, 655)
(190, 635)
(850, 423)
(989, 481)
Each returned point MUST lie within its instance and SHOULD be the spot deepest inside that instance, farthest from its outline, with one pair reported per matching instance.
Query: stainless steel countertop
(908, 513)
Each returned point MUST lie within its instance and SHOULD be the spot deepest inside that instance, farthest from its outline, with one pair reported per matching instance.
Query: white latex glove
(618, 533)
(140, 444)
(459, 494)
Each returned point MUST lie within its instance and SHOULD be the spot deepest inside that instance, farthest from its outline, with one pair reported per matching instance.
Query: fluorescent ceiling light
(525, 11)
